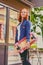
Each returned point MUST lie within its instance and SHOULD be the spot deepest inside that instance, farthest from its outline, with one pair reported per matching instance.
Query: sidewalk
(36, 59)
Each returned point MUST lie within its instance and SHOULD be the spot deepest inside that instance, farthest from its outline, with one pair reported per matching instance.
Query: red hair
(20, 18)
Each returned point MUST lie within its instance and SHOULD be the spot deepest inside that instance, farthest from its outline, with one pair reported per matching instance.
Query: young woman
(23, 30)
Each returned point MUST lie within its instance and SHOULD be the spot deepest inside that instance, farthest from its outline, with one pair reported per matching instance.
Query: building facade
(9, 11)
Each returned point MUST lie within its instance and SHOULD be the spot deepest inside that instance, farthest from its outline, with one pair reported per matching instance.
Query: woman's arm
(28, 29)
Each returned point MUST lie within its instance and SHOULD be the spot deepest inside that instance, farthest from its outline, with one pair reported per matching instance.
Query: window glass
(12, 25)
(2, 23)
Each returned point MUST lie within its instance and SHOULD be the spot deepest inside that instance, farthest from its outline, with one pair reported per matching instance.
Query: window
(12, 25)
(2, 23)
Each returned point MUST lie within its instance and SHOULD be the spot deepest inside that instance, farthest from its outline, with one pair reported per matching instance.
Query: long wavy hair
(20, 18)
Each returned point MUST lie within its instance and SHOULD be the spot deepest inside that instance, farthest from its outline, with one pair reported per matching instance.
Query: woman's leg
(24, 58)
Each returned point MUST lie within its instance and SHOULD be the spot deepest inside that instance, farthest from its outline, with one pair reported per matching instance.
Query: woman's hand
(28, 45)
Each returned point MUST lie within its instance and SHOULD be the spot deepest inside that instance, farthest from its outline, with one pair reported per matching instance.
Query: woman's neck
(22, 20)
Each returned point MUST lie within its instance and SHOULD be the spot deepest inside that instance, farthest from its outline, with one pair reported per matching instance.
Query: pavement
(36, 59)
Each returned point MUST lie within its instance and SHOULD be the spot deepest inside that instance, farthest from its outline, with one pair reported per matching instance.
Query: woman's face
(24, 13)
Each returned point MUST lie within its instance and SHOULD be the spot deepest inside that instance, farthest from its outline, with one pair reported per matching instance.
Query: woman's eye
(23, 12)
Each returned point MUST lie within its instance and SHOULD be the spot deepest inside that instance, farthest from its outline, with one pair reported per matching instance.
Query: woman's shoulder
(28, 22)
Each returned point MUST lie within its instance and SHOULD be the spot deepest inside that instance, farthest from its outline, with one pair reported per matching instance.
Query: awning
(37, 3)
(31, 3)
(34, 3)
